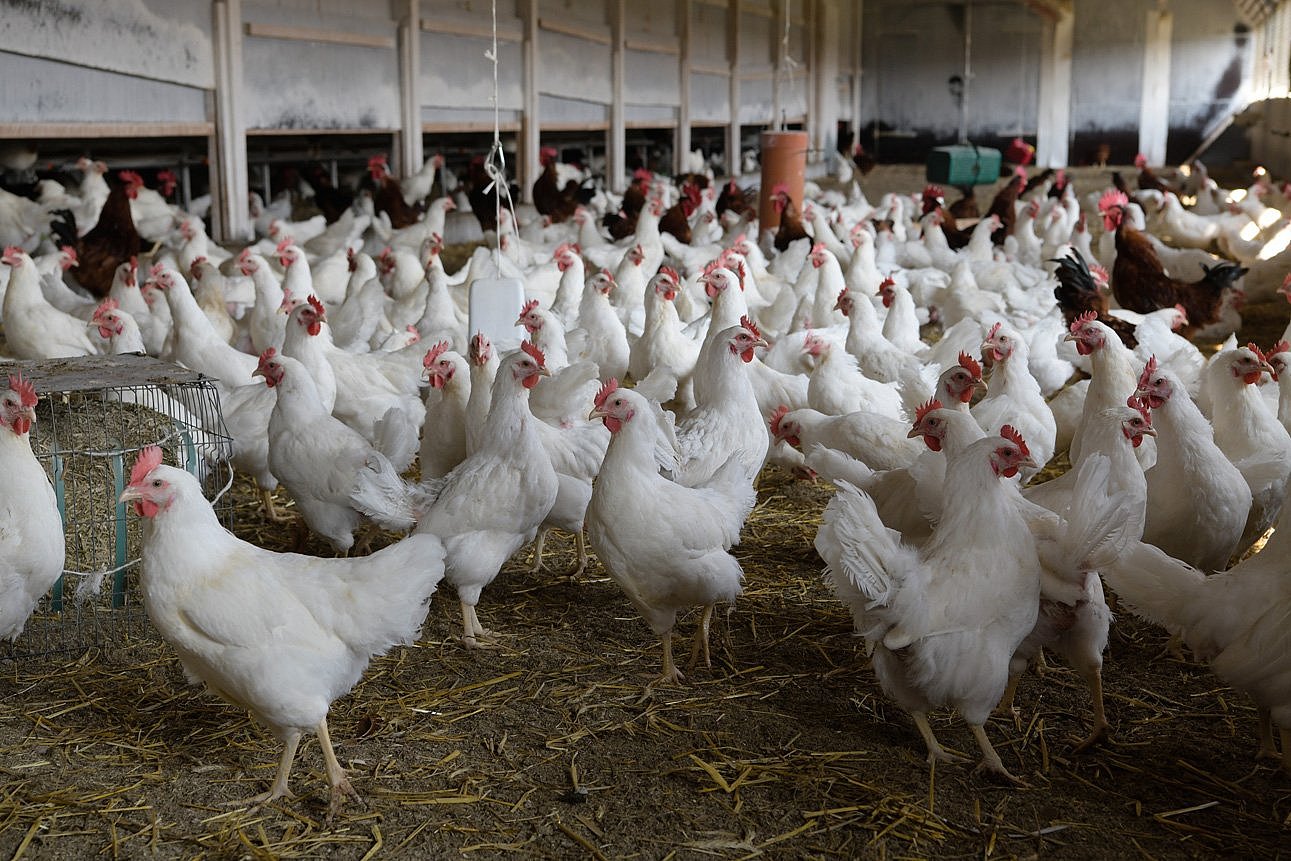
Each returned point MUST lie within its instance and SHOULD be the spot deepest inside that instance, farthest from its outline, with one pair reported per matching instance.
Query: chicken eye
(156, 482)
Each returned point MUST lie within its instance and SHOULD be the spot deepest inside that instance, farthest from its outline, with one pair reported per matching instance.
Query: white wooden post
(527, 163)
(229, 178)
(617, 145)
(410, 150)
(824, 76)
(1154, 110)
(1054, 132)
(683, 84)
(733, 50)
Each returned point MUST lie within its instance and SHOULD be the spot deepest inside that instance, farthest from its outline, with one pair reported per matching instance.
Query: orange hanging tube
(784, 160)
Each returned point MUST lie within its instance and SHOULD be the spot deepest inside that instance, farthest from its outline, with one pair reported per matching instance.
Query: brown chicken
(623, 223)
(112, 241)
(1003, 206)
(791, 228)
(1080, 291)
(732, 197)
(863, 160)
(388, 197)
(1148, 181)
(1140, 283)
(483, 203)
(934, 200)
(548, 197)
(677, 219)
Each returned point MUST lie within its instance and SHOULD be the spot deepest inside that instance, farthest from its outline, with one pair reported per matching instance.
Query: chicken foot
(279, 788)
(701, 640)
(936, 753)
(539, 543)
(1098, 733)
(271, 511)
(1006, 707)
(991, 761)
(475, 635)
(581, 544)
(670, 675)
(340, 784)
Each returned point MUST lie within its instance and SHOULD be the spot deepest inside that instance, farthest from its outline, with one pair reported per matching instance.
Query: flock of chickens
(344, 355)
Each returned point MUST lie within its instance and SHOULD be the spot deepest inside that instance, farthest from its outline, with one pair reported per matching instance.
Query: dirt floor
(554, 746)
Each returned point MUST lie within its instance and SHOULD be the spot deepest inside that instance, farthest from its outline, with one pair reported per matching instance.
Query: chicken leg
(670, 675)
(936, 753)
(475, 635)
(340, 784)
(581, 544)
(1094, 678)
(279, 788)
(991, 761)
(701, 640)
(270, 510)
(538, 546)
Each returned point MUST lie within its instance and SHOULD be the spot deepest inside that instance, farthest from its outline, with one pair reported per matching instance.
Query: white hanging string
(787, 63)
(495, 166)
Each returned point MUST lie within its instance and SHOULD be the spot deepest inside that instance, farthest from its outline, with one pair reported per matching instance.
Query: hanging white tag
(494, 307)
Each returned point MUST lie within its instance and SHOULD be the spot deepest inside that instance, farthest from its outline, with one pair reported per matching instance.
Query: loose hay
(554, 747)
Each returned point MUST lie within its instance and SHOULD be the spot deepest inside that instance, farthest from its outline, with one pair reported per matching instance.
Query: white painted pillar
(617, 145)
(229, 178)
(1054, 133)
(683, 84)
(824, 75)
(779, 13)
(410, 151)
(527, 163)
(1154, 110)
(733, 51)
(858, 48)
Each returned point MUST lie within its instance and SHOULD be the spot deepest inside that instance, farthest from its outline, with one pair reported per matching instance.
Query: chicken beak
(257, 373)
(543, 372)
(761, 342)
(130, 494)
(1027, 462)
(914, 433)
(596, 413)
(1148, 432)
(1070, 336)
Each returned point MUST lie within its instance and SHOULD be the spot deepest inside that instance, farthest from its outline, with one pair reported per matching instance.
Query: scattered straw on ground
(554, 746)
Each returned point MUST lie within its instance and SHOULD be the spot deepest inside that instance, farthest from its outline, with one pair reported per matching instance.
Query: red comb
(922, 411)
(780, 188)
(932, 191)
(282, 246)
(434, 353)
(1087, 317)
(480, 348)
(1280, 347)
(26, 391)
(1148, 370)
(608, 388)
(1009, 432)
(776, 415)
(1257, 351)
(670, 273)
(1111, 199)
(1141, 407)
(818, 248)
(105, 306)
(1020, 172)
(317, 305)
(528, 306)
(534, 353)
(156, 270)
(751, 326)
(1099, 273)
(148, 460)
(887, 282)
(968, 363)
(994, 331)
(129, 176)
(244, 255)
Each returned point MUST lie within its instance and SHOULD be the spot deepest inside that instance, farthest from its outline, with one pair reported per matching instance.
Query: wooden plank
(758, 74)
(506, 32)
(104, 130)
(553, 26)
(469, 126)
(576, 127)
(650, 124)
(299, 132)
(711, 69)
(651, 47)
(315, 34)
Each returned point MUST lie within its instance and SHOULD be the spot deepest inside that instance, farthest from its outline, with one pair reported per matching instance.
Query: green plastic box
(963, 165)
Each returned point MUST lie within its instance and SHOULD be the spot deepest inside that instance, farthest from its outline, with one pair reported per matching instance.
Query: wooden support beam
(616, 143)
(410, 151)
(682, 137)
(1154, 109)
(527, 164)
(229, 177)
(506, 32)
(733, 55)
(316, 34)
(1054, 132)
(779, 14)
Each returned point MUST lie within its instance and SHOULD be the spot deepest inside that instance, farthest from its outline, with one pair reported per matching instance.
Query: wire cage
(94, 415)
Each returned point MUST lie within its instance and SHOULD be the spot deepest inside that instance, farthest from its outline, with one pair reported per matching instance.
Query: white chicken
(279, 634)
(664, 544)
(31, 528)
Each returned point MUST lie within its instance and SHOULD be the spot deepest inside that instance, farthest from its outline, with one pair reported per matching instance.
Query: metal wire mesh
(95, 414)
